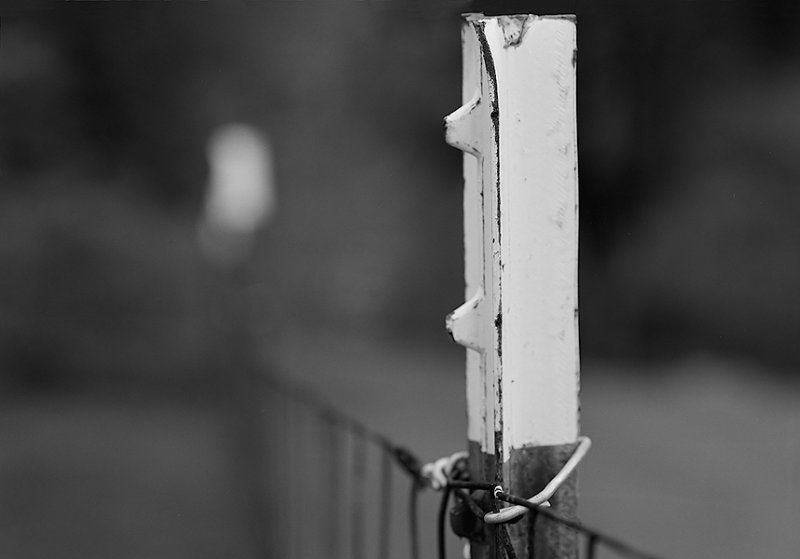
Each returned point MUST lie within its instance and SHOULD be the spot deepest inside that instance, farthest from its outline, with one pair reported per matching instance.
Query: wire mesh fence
(333, 485)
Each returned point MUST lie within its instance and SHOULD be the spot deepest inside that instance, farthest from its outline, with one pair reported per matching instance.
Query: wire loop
(509, 514)
(439, 472)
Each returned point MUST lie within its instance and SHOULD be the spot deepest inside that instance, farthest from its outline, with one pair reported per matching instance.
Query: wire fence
(332, 493)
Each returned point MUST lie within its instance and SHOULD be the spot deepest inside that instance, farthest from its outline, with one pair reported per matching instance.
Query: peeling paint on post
(517, 128)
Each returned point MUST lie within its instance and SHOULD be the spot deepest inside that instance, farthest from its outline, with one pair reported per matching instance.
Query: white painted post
(520, 325)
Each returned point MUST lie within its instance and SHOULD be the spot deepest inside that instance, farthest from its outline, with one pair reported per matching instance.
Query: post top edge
(480, 16)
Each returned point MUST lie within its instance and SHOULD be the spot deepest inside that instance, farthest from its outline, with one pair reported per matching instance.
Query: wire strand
(386, 505)
(358, 474)
(412, 520)
(334, 485)
(608, 541)
(440, 522)
(506, 541)
(591, 546)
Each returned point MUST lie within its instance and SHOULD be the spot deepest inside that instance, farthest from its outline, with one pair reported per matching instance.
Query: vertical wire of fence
(332, 480)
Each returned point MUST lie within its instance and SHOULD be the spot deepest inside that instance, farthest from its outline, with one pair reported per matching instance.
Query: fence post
(518, 130)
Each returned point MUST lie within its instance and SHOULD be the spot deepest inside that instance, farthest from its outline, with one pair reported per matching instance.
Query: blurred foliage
(687, 127)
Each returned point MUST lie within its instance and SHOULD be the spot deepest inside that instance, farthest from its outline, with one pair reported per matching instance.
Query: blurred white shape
(241, 193)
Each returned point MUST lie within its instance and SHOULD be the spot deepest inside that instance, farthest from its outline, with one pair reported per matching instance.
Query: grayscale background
(126, 343)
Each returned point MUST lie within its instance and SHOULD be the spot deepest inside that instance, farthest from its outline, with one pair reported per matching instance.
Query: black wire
(441, 521)
(357, 488)
(620, 546)
(502, 531)
(506, 539)
(408, 462)
(473, 506)
(412, 520)
(294, 461)
(386, 505)
(471, 484)
(591, 546)
(334, 485)
(285, 446)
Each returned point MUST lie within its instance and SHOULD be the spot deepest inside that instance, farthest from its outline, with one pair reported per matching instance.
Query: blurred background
(138, 299)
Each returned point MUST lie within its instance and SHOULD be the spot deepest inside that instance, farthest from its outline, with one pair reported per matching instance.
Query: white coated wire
(438, 473)
(510, 513)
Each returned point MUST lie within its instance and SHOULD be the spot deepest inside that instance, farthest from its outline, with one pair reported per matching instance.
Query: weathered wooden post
(520, 322)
